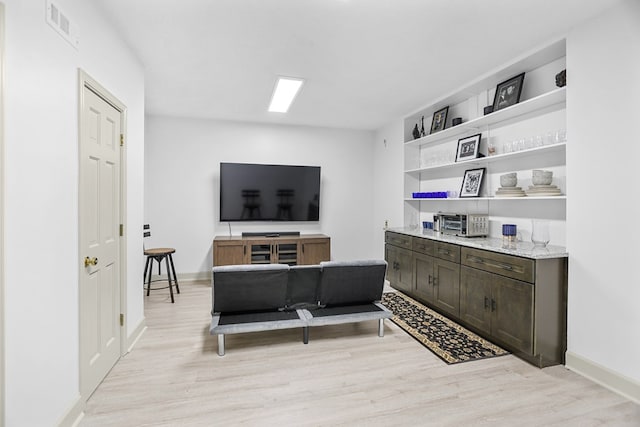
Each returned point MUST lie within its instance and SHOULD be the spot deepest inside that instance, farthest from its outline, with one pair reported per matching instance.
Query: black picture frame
(508, 92)
(468, 148)
(439, 120)
(472, 182)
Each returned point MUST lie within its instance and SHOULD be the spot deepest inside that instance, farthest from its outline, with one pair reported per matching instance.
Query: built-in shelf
(538, 121)
(471, 199)
(555, 149)
(550, 101)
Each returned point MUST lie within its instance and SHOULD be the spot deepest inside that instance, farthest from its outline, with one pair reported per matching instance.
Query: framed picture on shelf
(439, 120)
(472, 182)
(508, 92)
(468, 148)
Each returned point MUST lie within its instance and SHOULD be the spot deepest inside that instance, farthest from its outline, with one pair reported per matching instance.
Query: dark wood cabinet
(229, 252)
(498, 305)
(399, 268)
(447, 286)
(437, 282)
(302, 250)
(423, 266)
(269, 251)
(314, 251)
(519, 303)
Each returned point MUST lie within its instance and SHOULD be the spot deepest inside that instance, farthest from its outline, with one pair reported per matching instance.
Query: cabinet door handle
(303, 248)
(444, 251)
(493, 304)
(435, 281)
(486, 303)
(430, 279)
(500, 265)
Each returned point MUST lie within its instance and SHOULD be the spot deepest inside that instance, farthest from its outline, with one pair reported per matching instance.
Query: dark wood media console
(306, 249)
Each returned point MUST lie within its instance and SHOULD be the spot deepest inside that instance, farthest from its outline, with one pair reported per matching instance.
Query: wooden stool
(159, 254)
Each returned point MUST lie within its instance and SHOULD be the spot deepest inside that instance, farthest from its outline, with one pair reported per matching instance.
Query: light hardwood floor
(346, 375)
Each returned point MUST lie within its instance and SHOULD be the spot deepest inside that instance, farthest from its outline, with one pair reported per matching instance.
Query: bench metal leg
(220, 344)
(381, 327)
(305, 334)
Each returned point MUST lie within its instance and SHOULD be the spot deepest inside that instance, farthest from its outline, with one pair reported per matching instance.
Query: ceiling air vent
(59, 21)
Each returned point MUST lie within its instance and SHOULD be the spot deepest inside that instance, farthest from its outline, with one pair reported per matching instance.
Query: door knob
(90, 261)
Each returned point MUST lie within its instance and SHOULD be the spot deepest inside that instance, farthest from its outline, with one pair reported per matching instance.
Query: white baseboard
(186, 277)
(597, 373)
(135, 336)
(74, 415)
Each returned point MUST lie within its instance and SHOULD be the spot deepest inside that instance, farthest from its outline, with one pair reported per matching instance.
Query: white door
(99, 210)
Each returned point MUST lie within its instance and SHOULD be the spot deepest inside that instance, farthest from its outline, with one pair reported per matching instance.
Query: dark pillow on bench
(239, 288)
(353, 282)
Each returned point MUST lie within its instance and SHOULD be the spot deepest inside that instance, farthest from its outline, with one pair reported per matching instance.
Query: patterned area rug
(445, 338)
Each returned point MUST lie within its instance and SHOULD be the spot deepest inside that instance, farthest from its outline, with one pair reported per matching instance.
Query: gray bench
(251, 298)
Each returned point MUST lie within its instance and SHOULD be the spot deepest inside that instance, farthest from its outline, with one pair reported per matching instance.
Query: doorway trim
(86, 81)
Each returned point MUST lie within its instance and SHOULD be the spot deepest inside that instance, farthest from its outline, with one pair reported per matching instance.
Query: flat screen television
(257, 192)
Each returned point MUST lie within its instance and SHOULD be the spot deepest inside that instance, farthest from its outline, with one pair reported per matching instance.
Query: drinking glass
(540, 232)
(538, 141)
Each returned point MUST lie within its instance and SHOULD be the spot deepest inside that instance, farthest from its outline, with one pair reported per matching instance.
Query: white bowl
(541, 177)
(509, 180)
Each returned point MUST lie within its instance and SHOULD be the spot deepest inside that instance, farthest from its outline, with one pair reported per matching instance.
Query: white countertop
(522, 249)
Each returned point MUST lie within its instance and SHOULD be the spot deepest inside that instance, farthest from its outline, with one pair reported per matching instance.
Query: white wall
(182, 162)
(388, 181)
(42, 260)
(603, 90)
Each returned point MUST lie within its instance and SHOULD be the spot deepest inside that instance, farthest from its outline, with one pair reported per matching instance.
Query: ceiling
(365, 62)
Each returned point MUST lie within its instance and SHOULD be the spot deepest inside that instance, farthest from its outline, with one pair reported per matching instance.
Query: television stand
(271, 248)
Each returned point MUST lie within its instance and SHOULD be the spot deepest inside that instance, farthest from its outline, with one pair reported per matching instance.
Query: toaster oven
(464, 225)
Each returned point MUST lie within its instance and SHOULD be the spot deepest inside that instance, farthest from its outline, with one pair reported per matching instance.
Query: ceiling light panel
(284, 93)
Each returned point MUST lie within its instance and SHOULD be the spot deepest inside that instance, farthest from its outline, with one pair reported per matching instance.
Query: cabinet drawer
(423, 246)
(447, 251)
(505, 265)
(397, 239)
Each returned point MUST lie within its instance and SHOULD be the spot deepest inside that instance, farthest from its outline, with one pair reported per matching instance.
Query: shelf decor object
(472, 182)
(416, 132)
(561, 78)
(439, 119)
(508, 92)
(468, 148)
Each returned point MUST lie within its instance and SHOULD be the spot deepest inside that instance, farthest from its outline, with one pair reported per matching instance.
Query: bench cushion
(236, 323)
(347, 314)
(356, 282)
(243, 288)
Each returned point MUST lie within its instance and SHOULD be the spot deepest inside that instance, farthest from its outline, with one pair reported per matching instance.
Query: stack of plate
(510, 192)
(543, 190)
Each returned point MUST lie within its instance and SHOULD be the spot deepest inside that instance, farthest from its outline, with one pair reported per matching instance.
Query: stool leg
(146, 267)
(173, 269)
(380, 327)
(149, 278)
(305, 334)
(166, 260)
